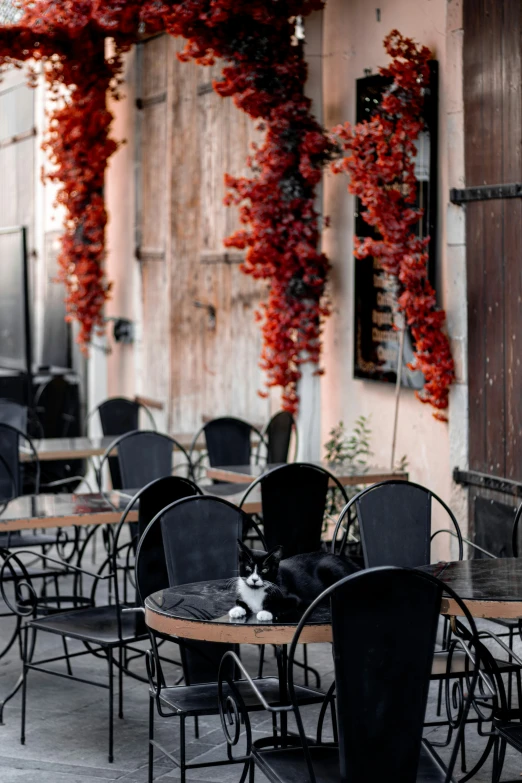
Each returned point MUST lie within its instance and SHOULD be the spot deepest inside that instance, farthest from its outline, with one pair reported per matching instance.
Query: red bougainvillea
(381, 168)
(265, 73)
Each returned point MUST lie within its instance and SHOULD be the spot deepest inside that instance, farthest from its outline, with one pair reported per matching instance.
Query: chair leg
(66, 651)
(510, 675)
(305, 661)
(24, 685)
(182, 762)
(111, 704)
(151, 737)
(196, 727)
(251, 771)
(120, 682)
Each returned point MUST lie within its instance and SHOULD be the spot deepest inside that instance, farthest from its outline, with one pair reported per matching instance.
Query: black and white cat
(268, 585)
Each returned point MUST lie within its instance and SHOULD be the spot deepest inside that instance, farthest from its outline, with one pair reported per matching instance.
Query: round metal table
(200, 611)
(489, 588)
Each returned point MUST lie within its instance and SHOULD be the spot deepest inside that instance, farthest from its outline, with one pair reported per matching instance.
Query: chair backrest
(395, 523)
(278, 434)
(384, 627)
(144, 456)
(11, 474)
(293, 499)
(151, 567)
(228, 441)
(57, 404)
(200, 538)
(119, 415)
(14, 414)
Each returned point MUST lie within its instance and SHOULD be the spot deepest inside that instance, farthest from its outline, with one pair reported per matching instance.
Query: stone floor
(66, 738)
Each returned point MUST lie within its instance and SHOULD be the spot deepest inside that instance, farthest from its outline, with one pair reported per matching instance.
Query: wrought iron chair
(119, 415)
(143, 456)
(382, 675)
(229, 442)
(15, 476)
(394, 519)
(278, 435)
(103, 628)
(58, 411)
(209, 552)
(293, 499)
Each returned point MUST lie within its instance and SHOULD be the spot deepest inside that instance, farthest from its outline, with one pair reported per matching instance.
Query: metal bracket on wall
(485, 193)
(472, 478)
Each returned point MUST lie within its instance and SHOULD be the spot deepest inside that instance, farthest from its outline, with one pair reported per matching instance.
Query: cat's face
(257, 568)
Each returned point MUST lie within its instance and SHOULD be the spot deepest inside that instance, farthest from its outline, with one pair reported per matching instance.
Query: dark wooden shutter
(493, 143)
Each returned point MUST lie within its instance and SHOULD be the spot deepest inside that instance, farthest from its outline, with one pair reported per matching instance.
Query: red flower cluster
(265, 72)
(382, 174)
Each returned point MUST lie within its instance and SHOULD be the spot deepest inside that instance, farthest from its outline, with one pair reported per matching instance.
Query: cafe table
(490, 588)
(86, 447)
(30, 512)
(246, 474)
(200, 611)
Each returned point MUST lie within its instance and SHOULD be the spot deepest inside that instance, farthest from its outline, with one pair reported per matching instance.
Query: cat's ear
(275, 556)
(244, 551)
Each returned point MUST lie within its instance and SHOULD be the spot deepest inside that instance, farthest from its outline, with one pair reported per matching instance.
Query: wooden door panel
(492, 120)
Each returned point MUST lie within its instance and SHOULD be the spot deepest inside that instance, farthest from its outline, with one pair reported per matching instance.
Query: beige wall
(353, 42)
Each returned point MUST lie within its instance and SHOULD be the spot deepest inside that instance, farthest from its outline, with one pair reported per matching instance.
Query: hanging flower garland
(265, 73)
(381, 168)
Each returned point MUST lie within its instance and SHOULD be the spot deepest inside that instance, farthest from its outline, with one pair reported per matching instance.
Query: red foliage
(265, 73)
(382, 174)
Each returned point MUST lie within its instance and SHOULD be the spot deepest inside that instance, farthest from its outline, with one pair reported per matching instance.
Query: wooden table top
(489, 588)
(246, 474)
(200, 611)
(85, 447)
(44, 511)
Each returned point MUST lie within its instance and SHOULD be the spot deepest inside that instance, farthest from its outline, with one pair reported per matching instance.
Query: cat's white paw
(236, 613)
(264, 617)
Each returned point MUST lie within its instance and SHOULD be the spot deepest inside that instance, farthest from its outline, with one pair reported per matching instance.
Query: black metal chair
(106, 627)
(382, 675)
(278, 434)
(143, 456)
(58, 410)
(294, 499)
(119, 415)
(394, 520)
(229, 442)
(208, 551)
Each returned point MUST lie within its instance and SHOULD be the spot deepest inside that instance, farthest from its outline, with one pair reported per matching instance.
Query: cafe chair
(208, 552)
(228, 442)
(394, 522)
(293, 500)
(117, 416)
(17, 476)
(143, 456)
(104, 627)
(278, 435)
(382, 675)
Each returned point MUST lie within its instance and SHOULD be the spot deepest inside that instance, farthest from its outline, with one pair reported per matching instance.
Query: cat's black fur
(268, 585)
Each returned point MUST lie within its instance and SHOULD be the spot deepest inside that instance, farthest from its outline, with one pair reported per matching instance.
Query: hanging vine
(381, 166)
(265, 72)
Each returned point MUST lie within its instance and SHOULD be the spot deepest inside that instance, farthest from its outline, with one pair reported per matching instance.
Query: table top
(489, 588)
(85, 447)
(245, 474)
(200, 611)
(45, 511)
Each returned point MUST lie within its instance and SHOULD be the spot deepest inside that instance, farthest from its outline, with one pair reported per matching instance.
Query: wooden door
(201, 342)
(493, 144)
